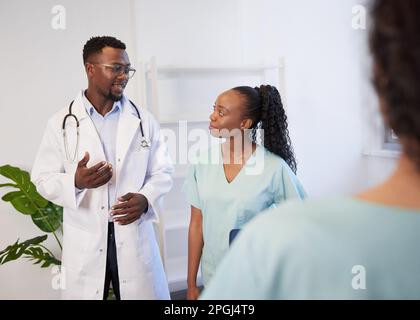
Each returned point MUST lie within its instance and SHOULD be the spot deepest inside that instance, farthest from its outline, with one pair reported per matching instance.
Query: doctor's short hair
(96, 44)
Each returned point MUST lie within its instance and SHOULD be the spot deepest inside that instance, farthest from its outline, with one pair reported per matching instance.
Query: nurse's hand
(193, 293)
(130, 208)
(93, 177)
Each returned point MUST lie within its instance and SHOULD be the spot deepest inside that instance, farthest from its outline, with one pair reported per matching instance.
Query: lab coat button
(102, 208)
(119, 160)
(97, 291)
(101, 250)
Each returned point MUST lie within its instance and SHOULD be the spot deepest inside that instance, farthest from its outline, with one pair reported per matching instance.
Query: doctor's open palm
(93, 177)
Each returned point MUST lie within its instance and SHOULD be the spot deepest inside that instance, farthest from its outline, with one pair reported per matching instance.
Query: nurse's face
(103, 78)
(226, 120)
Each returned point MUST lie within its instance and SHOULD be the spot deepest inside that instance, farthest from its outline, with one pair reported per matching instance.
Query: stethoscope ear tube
(70, 114)
(66, 148)
(144, 143)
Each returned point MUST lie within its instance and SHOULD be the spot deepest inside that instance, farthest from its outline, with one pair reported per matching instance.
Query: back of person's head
(264, 107)
(395, 45)
(96, 44)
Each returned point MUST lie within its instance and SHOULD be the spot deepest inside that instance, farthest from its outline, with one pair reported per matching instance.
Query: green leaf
(21, 202)
(11, 195)
(8, 185)
(40, 256)
(50, 219)
(29, 249)
(47, 216)
(24, 183)
(11, 253)
(14, 251)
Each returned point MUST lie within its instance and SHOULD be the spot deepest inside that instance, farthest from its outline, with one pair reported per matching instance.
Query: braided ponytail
(265, 108)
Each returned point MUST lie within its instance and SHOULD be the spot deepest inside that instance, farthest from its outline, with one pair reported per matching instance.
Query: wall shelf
(187, 92)
(177, 269)
(176, 217)
(173, 229)
(175, 251)
(380, 153)
(212, 69)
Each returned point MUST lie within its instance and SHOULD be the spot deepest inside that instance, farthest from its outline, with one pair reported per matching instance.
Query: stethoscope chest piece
(144, 143)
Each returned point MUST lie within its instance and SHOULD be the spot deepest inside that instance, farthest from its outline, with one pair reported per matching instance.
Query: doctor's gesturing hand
(93, 177)
(130, 208)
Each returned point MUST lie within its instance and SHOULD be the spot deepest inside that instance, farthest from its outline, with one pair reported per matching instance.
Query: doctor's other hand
(130, 208)
(93, 177)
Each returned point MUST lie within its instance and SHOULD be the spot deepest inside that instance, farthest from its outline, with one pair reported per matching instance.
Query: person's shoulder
(299, 241)
(273, 159)
(57, 118)
(294, 216)
(295, 208)
(319, 209)
(278, 233)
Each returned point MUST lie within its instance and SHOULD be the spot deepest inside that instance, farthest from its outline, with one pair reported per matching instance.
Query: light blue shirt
(340, 248)
(264, 181)
(107, 127)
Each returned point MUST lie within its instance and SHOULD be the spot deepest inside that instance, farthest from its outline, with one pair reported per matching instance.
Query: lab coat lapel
(127, 127)
(89, 138)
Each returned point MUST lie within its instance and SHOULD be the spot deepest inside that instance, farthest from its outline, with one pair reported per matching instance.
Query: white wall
(329, 100)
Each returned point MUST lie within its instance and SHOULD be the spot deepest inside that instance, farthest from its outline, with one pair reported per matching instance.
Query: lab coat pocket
(75, 244)
(147, 248)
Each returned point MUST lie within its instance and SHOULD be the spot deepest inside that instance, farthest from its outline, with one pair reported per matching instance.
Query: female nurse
(246, 177)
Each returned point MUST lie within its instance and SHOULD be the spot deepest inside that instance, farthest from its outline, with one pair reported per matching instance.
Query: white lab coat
(147, 171)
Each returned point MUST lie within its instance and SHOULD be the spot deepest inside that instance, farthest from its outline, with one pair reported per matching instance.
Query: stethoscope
(144, 143)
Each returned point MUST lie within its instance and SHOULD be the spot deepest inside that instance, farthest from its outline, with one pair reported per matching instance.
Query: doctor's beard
(114, 97)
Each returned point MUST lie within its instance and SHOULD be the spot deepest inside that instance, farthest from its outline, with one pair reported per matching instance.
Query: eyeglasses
(119, 69)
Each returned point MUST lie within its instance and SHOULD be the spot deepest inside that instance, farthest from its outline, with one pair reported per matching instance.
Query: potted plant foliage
(47, 216)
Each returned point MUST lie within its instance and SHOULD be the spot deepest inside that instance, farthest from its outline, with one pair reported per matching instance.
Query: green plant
(47, 216)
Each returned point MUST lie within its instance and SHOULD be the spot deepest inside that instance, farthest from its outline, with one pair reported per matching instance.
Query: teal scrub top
(265, 180)
(341, 248)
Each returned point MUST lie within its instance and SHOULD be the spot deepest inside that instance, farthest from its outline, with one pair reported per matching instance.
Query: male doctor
(109, 181)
